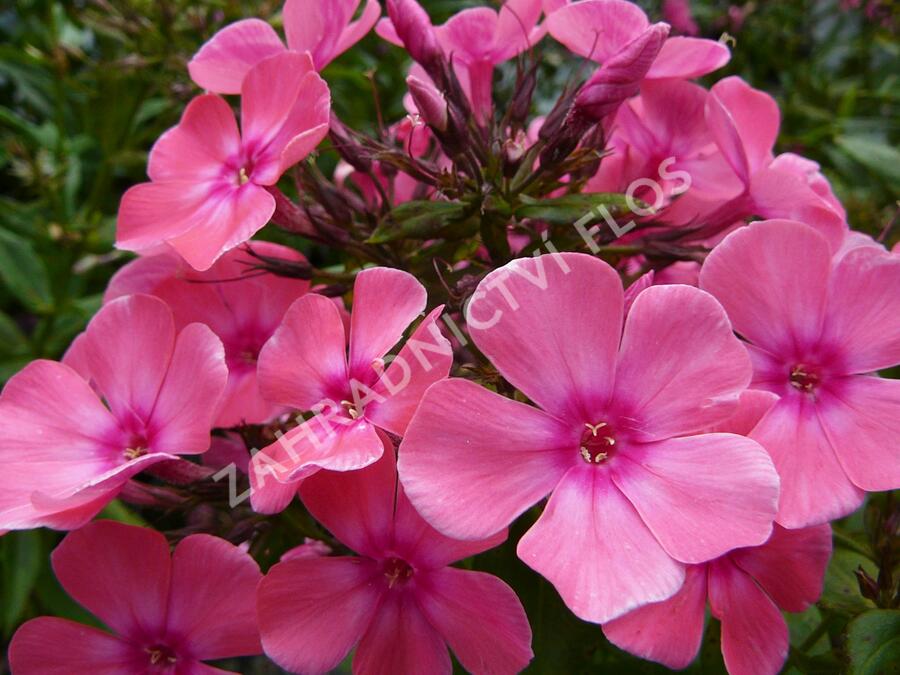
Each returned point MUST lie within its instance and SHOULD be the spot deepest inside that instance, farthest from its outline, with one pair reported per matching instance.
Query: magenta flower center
(242, 177)
(161, 656)
(805, 378)
(597, 442)
(397, 571)
(137, 447)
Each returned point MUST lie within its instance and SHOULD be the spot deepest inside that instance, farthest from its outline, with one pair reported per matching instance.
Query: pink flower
(598, 29)
(322, 28)
(818, 328)
(744, 122)
(65, 454)
(306, 366)
(637, 489)
(480, 38)
(167, 614)
(399, 603)
(208, 191)
(747, 589)
(243, 307)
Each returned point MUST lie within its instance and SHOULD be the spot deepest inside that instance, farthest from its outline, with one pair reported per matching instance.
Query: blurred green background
(87, 86)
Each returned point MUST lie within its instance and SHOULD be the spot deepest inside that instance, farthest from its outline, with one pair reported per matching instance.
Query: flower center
(136, 447)
(160, 655)
(242, 177)
(397, 571)
(351, 409)
(804, 378)
(597, 443)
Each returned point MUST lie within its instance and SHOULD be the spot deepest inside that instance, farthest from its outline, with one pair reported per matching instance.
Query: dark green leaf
(24, 272)
(873, 643)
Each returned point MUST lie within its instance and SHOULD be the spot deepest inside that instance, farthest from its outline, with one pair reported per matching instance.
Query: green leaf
(572, 208)
(876, 155)
(23, 554)
(420, 219)
(841, 592)
(873, 643)
(11, 339)
(24, 272)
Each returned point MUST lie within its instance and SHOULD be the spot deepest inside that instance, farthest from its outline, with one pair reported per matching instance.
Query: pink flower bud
(620, 77)
(413, 27)
(431, 104)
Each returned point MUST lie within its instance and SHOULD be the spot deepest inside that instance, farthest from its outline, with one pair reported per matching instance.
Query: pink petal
(701, 496)
(862, 317)
(754, 634)
(480, 617)
(680, 368)
(120, 573)
(233, 217)
(744, 122)
(516, 27)
(594, 548)
(143, 275)
(189, 396)
(316, 27)
(752, 407)
(385, 302)
(779, 194)
(400, 641)
(304, 362)
(199, 148)
(357, 507)
(771, 277)
(54, 436)
(75, 648)
(313, 611)
(264, 108)
(212, 604)
(151, 213)
(668, 632)
(358, 29)
(814, 486)
(221, 63)
(551, 326)
(127, 347)
(468, 36)
(790, 566)
(597, 29)
(688, 57)
(462, 441)
(425, 358)
(305, 450)
(862, 422)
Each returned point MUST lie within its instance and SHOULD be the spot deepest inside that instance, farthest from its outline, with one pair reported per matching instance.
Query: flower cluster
(690, 391)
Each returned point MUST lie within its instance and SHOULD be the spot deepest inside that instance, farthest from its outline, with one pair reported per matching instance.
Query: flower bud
(414, 29)
(430, 102)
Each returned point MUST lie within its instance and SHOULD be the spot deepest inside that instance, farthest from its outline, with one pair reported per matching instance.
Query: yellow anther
(594, 428)
(243, 178)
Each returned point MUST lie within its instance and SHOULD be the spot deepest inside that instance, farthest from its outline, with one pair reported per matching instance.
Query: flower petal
(814, 486)
(385, 302)
(754, 633)
(597, 29)
(212, 602)
(464, 442)
(790, 566)
(687, 58)
(200, 146)
(668, 632)
(701, 496)
(118, 572)
(592, 545)
(480, 617)
(551, 325)
(189, 397)
(771, 277)
(681, 369)
(312, 611)
(76, 648)
(861, 419)
(304, 364)
(222, 63)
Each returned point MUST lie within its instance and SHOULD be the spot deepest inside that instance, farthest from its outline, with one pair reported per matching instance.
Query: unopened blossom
(241, 305)
(598, 29)
(351, 391)
(747, 590)
(165, 614)
(208, 183)
(818, 327)
(615, 438)
(322, 28)
(133, 392)
(399, 603)
(476, 40)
